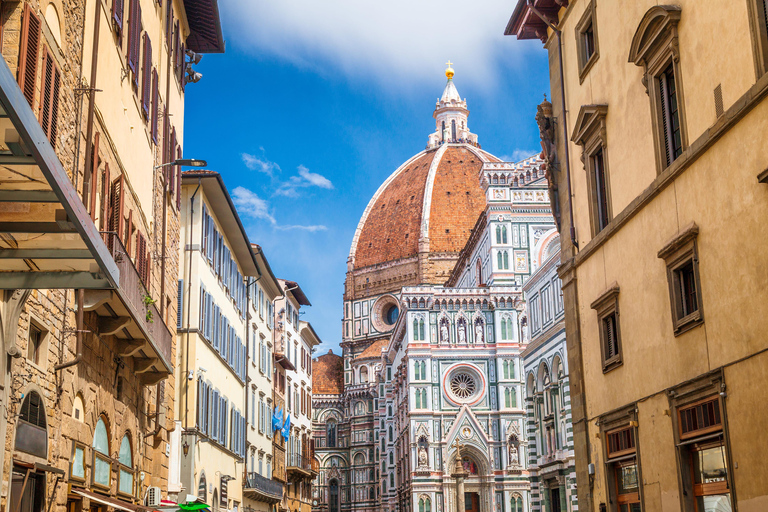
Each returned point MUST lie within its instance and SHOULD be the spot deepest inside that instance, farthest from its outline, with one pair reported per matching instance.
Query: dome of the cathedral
(328, 374)
(433, 200)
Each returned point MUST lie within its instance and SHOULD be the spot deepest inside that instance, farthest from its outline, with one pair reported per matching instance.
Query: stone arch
(476, 454)
(530, 385)
(543, 376)
(31, 435)
(558, 368)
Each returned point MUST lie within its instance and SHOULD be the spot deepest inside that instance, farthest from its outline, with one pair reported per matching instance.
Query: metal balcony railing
(262, 489)
(134, 292)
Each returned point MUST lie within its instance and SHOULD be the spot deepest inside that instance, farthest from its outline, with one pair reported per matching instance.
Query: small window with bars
(700, 418)
(607, 307)
(620, 442)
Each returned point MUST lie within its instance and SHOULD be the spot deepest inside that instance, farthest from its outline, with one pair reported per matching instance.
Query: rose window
(463, 385)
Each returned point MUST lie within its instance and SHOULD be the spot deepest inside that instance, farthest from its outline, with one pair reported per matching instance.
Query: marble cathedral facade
(433, 328)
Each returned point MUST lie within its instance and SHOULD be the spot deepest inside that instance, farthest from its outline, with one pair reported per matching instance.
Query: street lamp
(187, 162)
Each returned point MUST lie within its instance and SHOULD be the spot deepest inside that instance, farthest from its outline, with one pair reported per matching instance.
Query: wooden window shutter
(176, 43)
(155, 106)
(49, 101)
(178, 179)
(135, 46)
(140, 255)
(182, 65)
(28, 52)
(146, 76)
(118, 6)
(133, 23)
(168, 25)
(93, 185)
(116, 216)
(106, 204)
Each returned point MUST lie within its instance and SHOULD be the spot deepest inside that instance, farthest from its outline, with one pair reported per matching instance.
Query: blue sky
(314, 104)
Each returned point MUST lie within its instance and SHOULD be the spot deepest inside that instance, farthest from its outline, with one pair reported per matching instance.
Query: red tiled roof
(328, 374)
(374, 349)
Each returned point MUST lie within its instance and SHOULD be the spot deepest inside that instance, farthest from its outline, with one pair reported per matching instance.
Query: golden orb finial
(449, 71)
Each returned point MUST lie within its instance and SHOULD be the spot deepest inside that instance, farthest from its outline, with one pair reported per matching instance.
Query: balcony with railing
(259, 488)
(298, 466)
(129, 313)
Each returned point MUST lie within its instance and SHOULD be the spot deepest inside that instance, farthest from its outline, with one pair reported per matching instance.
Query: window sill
(584, 71)
(612, 364)
(687, 323)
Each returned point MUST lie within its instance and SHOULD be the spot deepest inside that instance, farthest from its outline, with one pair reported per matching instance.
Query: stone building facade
(547, 390)
(654, 142)
(89, 226)
(433, 295)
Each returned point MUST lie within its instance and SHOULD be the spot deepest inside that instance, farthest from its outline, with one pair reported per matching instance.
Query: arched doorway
(333, 496)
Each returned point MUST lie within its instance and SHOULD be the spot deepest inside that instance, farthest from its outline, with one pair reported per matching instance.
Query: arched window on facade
(442, 132)
(503, 234)
(479, 272)
(390, 433)
(31, 431)
(330, 433)
(453, 129)
(125, 459)
(425, 504)
(102, 468)
(363, 375)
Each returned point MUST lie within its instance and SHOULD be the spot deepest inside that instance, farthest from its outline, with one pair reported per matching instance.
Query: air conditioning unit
(153, 497)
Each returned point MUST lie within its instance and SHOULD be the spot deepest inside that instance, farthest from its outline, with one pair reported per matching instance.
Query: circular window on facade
(464, 384)
(385, 312)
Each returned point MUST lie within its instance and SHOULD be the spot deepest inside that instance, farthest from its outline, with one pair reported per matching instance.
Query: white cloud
(311, 229)
(396, 41)
(255, 163)
(248, 203)
(305, 179)
(520, 154)
(315, 179)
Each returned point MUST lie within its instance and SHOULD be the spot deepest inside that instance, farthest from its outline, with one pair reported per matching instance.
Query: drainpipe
(189, 301)
(557, 31)
(78, 334)
(91, 108)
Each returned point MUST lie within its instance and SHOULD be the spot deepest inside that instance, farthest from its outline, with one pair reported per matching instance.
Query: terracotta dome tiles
(457, 200)
(391, 231)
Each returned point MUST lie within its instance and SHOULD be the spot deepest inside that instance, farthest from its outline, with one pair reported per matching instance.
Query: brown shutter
(176, 45)
(146, 76)
(104, 222)
(155, 105)
(93, 186)
(140, 267)
(182, 65)
(134, 41)
(116, 216)
(28, 51)
(49, 99)
(178, 179)
(131, 35)
(169, 25)
(118, 6)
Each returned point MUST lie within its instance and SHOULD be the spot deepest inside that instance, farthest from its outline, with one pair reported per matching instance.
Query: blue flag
(287, 427)
(277, 419)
